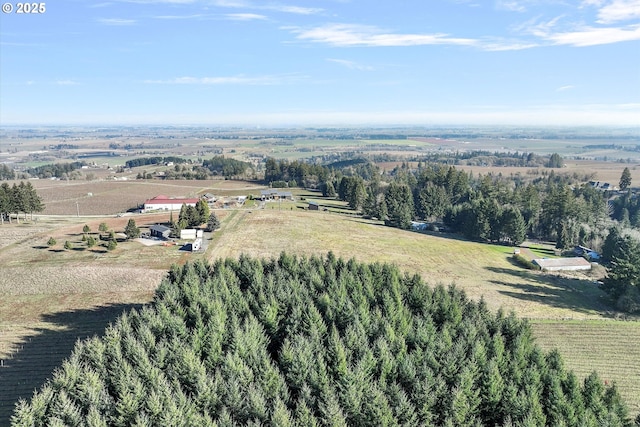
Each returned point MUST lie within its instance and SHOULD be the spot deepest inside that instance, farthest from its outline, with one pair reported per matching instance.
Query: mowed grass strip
(611, 348)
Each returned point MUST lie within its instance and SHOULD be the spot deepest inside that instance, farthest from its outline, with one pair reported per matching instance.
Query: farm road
(227, 228)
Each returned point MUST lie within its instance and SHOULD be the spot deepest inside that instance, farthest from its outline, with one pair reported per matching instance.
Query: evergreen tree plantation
(317, 341)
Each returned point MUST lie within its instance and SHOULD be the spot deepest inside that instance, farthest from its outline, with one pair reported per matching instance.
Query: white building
(164, 203)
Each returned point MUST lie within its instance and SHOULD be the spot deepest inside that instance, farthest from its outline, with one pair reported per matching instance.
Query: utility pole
(77, 208)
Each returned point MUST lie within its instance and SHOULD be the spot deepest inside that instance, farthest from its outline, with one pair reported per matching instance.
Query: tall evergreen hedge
(317, 341)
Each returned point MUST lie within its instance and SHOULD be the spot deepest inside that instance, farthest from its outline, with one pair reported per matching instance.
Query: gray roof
(560, 263)
(159, 228)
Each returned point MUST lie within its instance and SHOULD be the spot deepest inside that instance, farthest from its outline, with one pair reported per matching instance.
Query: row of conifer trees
(18, 198)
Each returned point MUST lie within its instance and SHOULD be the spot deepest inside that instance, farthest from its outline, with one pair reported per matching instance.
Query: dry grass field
(51, 297)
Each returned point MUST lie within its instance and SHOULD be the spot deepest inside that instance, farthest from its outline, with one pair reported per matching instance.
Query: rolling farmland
(53, 297)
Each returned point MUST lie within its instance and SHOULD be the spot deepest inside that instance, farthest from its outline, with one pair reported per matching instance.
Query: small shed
(314, 206)
(563, 264)
(160, 231)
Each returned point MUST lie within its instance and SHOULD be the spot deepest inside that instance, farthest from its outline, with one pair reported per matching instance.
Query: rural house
(164, 203)
(160, 231)
(273, 194)
(313, 205)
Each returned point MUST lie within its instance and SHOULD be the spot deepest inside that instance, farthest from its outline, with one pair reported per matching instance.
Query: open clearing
(51, 297)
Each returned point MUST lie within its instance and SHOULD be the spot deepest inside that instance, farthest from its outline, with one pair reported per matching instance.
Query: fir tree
(625, 179)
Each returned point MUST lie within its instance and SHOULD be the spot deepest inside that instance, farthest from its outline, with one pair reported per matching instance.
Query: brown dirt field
(111, 197)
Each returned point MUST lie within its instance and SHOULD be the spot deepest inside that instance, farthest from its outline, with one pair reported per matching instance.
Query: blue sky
(322, 62)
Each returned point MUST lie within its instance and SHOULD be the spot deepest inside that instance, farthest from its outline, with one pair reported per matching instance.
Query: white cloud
(351, 64)
(593, 36)
(298, 10)
(117, 21)
(177, 17)
(581, 35)
(245, 16)
(596, 3)
(352, 35)
(229, 80)
(564, 88)
(511, 5)
(619, 10)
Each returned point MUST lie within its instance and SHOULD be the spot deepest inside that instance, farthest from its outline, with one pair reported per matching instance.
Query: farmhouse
(563, 264)
(273, 194)
(159, 231)
(164, 203)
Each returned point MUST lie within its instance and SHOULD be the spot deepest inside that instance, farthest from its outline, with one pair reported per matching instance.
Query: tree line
(156, 160)
(55, 170)
(491, 208)
(18, 198)
(319, 341)
(214, 167)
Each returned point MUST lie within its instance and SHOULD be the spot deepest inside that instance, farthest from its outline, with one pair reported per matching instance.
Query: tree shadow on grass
(580, 295)
(37, 358)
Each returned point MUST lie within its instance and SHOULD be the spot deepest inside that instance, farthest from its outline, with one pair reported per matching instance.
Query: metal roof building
(563, 264)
